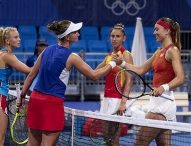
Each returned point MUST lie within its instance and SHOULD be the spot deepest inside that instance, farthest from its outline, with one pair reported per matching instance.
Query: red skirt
(3, 103)
(45, 112)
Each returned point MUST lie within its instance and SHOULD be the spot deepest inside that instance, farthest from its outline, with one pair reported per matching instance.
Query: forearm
(27, 85)
(177, 81)
(134, 68)
(98, 73)
(127, 90)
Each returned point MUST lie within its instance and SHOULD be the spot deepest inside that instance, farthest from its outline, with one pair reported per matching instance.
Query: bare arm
(31, 77)
(85, 69)
(102, 64)
(175, 58)
(141, 69)
(127, 57)
(12, 61)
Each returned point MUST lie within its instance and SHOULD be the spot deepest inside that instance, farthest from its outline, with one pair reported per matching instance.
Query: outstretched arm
(141, 69)
(12, 61)
(86, 70)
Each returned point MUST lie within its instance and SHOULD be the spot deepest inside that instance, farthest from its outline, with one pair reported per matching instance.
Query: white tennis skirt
(163, 106)
(110, 105)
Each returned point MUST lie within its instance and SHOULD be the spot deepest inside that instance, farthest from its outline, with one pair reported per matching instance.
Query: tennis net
(79, 125)
(87, 128)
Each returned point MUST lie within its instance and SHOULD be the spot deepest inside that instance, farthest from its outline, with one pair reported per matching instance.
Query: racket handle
(17, 109)
(18, 86)
(167, 97)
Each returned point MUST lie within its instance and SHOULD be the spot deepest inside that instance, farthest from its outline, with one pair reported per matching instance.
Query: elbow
(95, 75)
(140, 71)
(181, 80)
(94, 78)
(27, 72)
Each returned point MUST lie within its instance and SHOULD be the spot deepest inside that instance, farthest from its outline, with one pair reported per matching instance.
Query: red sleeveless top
(163, 70)
(110, 90)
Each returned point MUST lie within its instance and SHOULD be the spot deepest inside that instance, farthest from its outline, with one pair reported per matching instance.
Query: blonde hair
(1, 37)
(5, 34)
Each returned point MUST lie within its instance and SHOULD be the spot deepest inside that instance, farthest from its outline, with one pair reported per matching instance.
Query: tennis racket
(17, 116)
(103, 132)
(137, 86)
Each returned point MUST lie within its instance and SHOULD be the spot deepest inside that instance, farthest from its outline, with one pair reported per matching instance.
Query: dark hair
(59, 27)
(119, 26)
(175, 31)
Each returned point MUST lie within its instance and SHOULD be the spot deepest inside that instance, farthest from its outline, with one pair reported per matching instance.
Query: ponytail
(1, 37)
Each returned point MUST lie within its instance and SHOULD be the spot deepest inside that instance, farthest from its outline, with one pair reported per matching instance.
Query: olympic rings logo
(118, 4)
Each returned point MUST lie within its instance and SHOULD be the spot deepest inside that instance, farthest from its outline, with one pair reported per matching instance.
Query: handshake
(117, 59)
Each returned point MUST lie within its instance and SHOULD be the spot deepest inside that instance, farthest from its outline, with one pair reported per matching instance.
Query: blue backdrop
(94, 12)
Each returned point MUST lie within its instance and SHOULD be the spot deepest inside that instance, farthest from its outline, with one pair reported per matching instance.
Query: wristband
(166, 87)
(123, 64)
(112, 63)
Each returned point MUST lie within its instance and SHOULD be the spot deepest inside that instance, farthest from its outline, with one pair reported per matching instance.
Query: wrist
(112, 63)
(123, 64)
(22, 95)
(166, 87)
(123, 101)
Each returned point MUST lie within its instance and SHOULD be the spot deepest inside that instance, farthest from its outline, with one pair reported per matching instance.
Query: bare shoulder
(8, 56)
(74, 56)
(73, 59)
(173, 51)
(127, 53)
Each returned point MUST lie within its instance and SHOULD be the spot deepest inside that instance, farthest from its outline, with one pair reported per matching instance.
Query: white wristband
(123, 64)
(112, 63)
(166, 87)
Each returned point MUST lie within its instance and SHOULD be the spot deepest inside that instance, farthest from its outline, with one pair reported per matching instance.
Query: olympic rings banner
(131, 7)
(94, 12)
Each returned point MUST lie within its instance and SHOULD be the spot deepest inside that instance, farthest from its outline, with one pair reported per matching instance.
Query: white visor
(73, 27)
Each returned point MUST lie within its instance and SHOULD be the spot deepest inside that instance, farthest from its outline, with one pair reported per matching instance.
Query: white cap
(73, 27)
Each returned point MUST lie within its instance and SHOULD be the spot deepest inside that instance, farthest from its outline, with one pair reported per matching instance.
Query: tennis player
(168, 74)
(112, 101)
(45, 117)
(9, 40)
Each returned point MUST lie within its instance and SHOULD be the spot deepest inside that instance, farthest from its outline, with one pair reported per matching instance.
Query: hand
(122, 108)
(158, 91)
(117, 58)
(20, 101)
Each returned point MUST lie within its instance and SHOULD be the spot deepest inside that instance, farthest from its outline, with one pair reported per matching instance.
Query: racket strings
(133, 87)
(17, 119)
(20, 129)
(137, 86)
